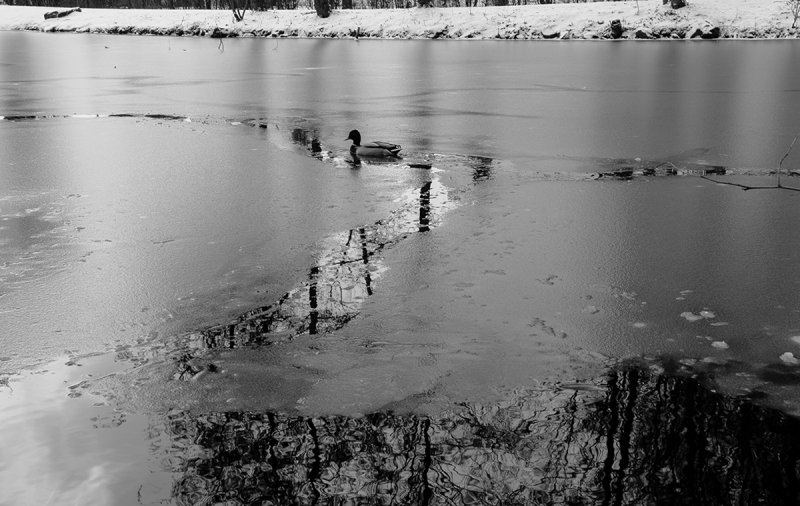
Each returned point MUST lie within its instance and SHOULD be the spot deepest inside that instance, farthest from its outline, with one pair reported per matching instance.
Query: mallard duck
(375, 149)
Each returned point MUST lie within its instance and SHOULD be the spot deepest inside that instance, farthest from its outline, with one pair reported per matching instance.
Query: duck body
(375, 149)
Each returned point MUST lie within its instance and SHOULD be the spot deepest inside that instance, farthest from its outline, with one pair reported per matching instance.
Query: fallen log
(60, 14)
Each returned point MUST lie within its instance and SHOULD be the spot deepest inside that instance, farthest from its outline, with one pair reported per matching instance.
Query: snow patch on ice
(703, 315)
(691, 317)
(789, 358)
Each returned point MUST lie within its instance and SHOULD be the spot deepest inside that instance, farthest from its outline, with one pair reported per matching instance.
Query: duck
(375, 149)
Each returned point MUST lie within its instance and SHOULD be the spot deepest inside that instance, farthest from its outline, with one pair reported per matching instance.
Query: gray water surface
(165, 225)
(504, 100)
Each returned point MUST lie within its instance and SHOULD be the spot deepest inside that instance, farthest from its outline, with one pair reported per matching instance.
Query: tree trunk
(238, 14)
(323, 8)
(616, 29)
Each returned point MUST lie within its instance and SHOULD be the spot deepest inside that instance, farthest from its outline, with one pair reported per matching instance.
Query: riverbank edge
(629, 20)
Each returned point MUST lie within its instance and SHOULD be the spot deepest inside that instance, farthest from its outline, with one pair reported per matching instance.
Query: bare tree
(794, 8)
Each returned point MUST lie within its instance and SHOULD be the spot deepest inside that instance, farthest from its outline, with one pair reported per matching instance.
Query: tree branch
(779, 186)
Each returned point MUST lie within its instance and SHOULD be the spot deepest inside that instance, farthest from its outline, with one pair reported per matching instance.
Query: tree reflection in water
(636, 437)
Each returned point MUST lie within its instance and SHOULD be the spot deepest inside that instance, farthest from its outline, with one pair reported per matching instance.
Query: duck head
(354, 136)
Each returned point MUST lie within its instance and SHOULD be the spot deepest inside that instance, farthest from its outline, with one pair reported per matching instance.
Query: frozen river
(182, 226)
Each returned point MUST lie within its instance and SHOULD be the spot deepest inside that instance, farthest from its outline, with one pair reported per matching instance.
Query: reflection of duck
(375, 149)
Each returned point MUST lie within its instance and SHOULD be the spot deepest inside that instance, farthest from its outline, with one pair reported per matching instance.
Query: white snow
(703, 315)
(734, 18)
(691, 317)
(789, 358)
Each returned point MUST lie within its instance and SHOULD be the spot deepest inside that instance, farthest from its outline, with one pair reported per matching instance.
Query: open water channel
(563, 294)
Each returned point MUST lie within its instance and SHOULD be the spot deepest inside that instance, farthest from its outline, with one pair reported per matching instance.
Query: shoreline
(628, 20)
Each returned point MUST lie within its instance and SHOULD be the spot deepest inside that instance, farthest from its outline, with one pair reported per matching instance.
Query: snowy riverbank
(648, 19)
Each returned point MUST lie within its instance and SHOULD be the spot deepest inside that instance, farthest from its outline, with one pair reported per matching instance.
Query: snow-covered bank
(647, 19)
